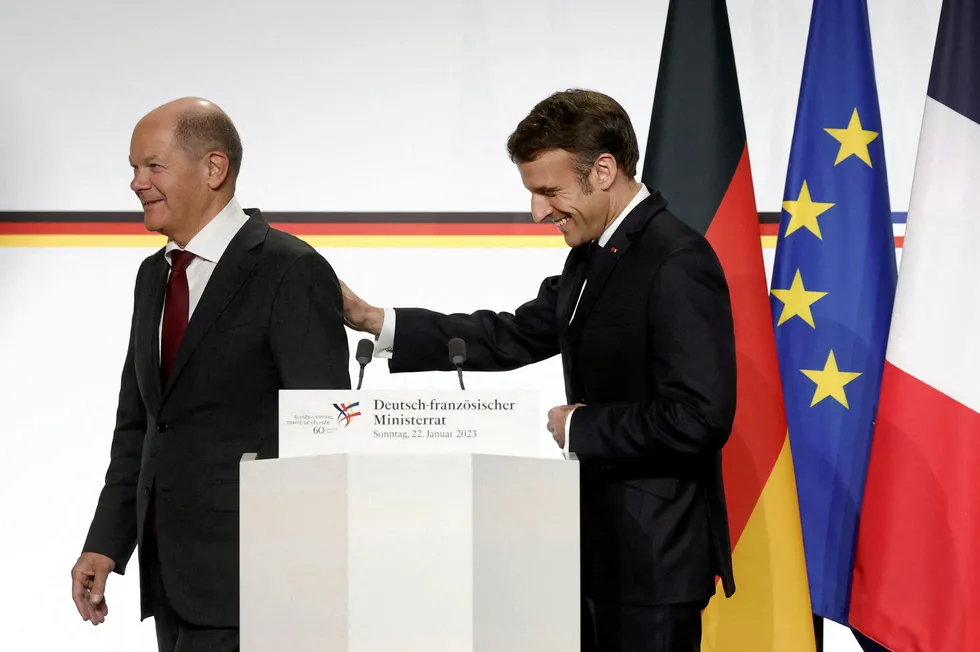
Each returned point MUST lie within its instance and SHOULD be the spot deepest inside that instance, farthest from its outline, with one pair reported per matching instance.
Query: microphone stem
(459, 372)
(360, 377)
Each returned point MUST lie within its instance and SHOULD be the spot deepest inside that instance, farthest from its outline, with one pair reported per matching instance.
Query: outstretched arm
(415, 339)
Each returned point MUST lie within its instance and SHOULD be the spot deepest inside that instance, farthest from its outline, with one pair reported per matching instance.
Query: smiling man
(225, 315)
(641, 317)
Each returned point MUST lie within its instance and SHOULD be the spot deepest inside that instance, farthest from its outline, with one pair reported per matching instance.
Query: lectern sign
(317, 422)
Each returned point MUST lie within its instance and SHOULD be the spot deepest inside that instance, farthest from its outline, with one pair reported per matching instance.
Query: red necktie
(175, 310)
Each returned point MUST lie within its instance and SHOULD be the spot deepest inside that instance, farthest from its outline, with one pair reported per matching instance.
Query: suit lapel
(149, 332)
(606, 258)
(570, 290)
(227, 278)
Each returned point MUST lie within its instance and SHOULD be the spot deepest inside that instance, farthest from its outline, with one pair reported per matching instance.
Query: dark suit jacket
(270, 318)
(651, 354)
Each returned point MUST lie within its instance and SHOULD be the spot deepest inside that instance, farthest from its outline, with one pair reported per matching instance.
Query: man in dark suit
(641, 317)
(228, 313)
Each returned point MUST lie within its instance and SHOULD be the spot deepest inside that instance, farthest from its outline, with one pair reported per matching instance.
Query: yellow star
(830, 381)
(804, 212)
(797, 301)
(854, 140)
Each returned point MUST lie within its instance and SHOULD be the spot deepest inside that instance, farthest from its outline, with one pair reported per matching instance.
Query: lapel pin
(612, 249)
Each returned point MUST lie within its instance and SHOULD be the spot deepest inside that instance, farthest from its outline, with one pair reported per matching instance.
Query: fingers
(79, 593)
(553, 429)
(347, 294)
(88, 591)
(98, 612)
(97, 591)
(355, 309)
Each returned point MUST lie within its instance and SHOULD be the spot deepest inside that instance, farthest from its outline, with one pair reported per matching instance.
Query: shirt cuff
(568, 432)
(385, 342)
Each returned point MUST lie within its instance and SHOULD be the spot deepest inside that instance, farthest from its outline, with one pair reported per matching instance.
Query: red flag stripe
(296, 228)
(921, 510)
(766, 231)
(760, 421)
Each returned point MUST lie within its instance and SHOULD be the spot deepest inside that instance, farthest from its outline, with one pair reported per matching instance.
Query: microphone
(365, 351)
(457, 355)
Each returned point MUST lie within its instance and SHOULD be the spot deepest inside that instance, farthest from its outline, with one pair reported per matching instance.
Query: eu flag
(833, 286)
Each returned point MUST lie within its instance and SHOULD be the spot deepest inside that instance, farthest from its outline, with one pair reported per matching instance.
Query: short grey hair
(199, 132)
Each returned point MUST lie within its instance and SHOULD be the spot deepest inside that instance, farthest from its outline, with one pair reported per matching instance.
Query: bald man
(229, 312)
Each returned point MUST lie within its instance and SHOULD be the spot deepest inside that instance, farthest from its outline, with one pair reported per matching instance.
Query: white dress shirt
(207, 246)
(384, 347)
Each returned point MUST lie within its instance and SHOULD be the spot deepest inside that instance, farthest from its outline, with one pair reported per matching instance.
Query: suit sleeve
(113, 528)
(495, 341)
(307, 333)
(692, 344)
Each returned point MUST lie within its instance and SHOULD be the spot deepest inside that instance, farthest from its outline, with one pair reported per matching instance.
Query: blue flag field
(833, 287)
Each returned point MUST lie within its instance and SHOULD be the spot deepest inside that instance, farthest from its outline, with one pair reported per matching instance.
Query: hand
(88, 586)
(359, 314)
(557, 416)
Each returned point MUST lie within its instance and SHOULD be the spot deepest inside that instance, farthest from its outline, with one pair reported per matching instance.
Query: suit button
(162, 427)
(146, 491)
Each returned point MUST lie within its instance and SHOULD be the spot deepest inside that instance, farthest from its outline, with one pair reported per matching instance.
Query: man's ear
(605, 170)
(218, 166)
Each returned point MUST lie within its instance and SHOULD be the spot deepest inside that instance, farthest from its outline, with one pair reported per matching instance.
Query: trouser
(630, 628)
(173, 633)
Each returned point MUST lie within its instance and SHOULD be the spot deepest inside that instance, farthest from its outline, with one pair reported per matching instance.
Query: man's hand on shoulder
(88, 578)
(359, 314)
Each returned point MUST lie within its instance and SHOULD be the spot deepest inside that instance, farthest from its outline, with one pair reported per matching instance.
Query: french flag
(917, 570)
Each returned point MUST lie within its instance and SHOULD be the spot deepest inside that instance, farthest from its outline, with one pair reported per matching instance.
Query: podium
(409, 521)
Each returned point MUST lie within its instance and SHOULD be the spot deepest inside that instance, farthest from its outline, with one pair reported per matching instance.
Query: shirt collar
(211, 241)
(641, 194)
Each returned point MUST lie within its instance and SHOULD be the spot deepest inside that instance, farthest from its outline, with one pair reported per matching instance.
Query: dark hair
(584, 123)
(199, 132)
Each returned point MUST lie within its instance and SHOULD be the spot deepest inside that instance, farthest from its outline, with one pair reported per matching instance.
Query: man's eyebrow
(150, 159)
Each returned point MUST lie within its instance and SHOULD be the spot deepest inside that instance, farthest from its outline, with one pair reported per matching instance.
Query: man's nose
(540, 209)
(141, 181)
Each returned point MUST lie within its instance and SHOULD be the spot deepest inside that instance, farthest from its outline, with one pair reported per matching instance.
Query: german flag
(319, 229)
(697, 157)
(326, 230)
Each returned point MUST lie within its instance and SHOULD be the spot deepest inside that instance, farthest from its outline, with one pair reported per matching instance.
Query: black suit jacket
(651, 354)
(270, 318)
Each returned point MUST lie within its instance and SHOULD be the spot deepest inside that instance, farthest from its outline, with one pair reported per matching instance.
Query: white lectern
(409, 521)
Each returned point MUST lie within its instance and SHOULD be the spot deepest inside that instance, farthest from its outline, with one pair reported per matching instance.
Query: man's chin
(154, 225)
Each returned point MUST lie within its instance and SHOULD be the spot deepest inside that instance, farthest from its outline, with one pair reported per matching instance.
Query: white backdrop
(368, 106)
(388, 105)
